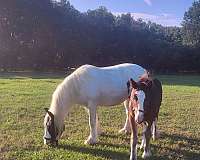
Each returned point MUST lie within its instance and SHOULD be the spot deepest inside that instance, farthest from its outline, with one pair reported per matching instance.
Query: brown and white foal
(144, 104)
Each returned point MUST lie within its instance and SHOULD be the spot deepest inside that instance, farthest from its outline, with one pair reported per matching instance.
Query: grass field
(24, 95)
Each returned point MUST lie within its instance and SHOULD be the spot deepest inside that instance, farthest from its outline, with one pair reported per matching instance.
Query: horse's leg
(99, 132)
(147, 152)
(143, 136)
(134, 138)
(126, 127)
(92, 138)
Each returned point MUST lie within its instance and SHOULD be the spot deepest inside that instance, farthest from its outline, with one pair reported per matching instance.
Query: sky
(164, 12)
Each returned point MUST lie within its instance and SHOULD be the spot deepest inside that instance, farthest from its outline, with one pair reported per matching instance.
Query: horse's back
(117, 71)
(106, 84)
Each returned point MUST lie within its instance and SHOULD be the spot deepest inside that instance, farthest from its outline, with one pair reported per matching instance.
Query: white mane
(61, 96)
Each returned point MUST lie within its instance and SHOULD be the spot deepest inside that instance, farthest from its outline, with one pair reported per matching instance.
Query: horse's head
(52, 131)
(137, 93)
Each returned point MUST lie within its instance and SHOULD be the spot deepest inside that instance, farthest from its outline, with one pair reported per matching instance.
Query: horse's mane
(61, 101)
(61, 97)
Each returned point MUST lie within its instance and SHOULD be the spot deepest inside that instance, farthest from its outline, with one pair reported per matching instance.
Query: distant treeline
(46, 35)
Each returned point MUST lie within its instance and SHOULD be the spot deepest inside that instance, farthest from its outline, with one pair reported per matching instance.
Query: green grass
(24, 95)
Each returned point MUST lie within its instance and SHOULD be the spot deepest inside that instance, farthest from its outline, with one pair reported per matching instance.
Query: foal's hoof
(154, 137)
(90, 141)
(140, 146)
(146, 154)
(124, 130)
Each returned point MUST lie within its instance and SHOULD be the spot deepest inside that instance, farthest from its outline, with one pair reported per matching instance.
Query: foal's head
(137, 93)
(52, 131)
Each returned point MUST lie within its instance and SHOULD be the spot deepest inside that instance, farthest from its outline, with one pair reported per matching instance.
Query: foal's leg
(126, 127)
(134, 138)
(147, 152)
(92, 138)
(143, 136)
(153, 128)
(155, 132)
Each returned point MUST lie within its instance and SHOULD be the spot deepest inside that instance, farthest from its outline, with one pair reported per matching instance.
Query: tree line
(51, 35)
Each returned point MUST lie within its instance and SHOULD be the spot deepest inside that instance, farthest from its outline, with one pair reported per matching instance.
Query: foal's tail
(128, 88)
(158, 85)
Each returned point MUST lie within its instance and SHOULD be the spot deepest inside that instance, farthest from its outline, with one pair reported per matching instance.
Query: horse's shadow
(102, 149)
(97, 151)
(110, 151)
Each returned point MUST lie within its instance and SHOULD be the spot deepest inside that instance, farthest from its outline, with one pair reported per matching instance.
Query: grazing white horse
(90, 86)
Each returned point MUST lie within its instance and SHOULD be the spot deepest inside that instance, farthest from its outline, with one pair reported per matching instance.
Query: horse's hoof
(124, 130)
(90, 141)
(100, 132)
(146, 154)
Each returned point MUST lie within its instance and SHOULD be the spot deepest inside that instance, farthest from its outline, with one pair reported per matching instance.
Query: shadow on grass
(104, 153)
(108, 150)
(123, 136)
(190, 141)
(102, 149)
(188, 148)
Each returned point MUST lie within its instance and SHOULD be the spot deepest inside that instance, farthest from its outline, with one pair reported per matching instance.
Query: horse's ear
(49, 113)
(46, 109)
(133, 84)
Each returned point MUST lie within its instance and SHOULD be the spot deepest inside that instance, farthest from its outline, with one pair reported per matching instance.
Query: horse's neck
(62, 100)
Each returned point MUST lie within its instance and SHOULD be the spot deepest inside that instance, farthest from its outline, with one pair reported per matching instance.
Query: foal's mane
(146, 80)
(145, 77)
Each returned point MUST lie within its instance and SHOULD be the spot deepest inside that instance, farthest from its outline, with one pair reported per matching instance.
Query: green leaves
(191, 25)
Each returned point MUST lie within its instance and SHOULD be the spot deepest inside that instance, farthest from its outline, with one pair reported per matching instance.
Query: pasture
(24, 95)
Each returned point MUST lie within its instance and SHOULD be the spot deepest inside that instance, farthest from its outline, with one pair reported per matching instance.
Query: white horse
(90, 86)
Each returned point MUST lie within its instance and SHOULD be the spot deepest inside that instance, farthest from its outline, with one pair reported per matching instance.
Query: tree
(191, 25)
(51, 34)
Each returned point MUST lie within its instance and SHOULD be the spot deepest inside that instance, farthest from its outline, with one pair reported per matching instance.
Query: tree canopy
(191, 25)
(51, 35)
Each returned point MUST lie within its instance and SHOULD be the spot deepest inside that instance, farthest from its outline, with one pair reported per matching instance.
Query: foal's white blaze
(139, 116)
